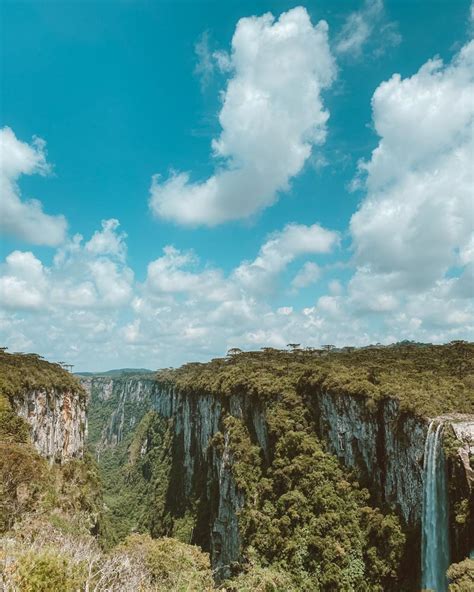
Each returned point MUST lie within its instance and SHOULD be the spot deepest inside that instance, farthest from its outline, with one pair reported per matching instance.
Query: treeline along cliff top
(427, 379)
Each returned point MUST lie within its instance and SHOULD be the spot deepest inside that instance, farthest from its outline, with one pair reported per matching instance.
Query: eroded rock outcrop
(57, 420)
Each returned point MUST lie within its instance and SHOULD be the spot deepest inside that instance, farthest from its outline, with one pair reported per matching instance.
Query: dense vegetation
(427, 379)
(20, 372)
(306, 523)
(461, 576)
(305, 516)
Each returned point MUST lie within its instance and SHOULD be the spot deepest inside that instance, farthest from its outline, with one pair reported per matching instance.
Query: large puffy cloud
(25, 219)
(413, 233)
(272, 115)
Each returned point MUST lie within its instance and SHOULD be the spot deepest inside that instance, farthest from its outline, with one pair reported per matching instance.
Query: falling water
(435, 543)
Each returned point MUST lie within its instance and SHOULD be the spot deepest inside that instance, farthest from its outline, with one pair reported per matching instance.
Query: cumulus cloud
(174, 273)
(279, 250)
(270, 118)
(107, 241)
(412, 235)
(80, 276)
(24, 283)
(307, 275)
(25, 219)
(363, 24)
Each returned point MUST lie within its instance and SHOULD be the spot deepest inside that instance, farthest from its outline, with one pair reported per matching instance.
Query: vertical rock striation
(382, 443)
(201, 474)
(57, 420)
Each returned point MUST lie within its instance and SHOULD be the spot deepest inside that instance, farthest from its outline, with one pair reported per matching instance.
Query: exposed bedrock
(57, 420)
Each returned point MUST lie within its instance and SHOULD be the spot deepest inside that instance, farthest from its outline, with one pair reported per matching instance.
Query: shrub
(261, 579)
(461, 576)
(173, 566)
(46, 570)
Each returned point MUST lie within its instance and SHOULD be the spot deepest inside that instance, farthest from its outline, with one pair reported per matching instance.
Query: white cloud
(80, 276)
(108, 241)
(281, 249)
(363, 24)
(25, 219)
(24, 282)
(329, 305)
(415, 226)
(174, 273)
(270, 118)
(307, 275)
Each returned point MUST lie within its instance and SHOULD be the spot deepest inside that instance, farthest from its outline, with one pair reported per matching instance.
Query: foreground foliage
(39, 556)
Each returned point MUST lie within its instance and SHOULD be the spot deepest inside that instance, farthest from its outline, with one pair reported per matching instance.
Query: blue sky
(122, 91)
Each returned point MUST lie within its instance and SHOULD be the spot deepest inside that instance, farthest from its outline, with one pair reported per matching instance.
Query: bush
(461, 576)
(261, 579)
(46, 571)
(173, 566)
(22, 479)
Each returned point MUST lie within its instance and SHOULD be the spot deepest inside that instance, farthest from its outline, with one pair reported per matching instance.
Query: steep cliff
(200, 478)
(57, 420)
(204, 493)
(383, 444)
(43, 426)
(50, 400)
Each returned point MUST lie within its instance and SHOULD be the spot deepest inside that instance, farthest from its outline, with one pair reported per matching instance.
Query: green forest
(117, 520)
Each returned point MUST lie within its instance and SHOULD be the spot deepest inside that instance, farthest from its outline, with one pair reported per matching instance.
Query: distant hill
(117, 372)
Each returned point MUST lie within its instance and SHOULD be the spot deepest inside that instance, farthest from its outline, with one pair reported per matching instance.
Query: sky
(180, 178)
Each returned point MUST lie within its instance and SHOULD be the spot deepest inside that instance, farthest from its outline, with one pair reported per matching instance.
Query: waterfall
(435, 541)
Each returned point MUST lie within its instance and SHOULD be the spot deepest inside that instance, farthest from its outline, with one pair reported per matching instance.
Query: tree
(461, 576)
(234, 351)
(328, 348)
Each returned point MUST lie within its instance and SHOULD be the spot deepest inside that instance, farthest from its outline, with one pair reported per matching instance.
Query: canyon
(348, 472)
(383, 444)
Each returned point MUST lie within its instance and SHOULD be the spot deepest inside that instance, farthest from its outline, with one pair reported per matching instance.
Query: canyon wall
(381, 443)
(57, 421)
(201, 474)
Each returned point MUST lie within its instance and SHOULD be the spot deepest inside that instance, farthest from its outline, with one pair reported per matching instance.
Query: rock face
(200, 472)
(381, 443)
(384, 445)
(58, 422)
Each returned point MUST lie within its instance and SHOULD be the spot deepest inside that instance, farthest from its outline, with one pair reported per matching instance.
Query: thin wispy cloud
(369, 25)
(205, 63)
